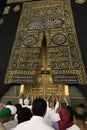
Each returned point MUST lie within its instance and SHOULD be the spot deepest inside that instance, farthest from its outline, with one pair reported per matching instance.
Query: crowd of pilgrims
(40, 113)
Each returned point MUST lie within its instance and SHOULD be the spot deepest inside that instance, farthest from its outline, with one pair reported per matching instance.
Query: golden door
(43, 81)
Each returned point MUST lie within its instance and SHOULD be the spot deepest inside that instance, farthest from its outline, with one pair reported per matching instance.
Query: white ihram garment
(51, 117)
(73, 127)
(35, 123)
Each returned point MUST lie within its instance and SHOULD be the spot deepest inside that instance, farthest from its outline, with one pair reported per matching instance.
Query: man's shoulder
(21, 125)
(73, 127)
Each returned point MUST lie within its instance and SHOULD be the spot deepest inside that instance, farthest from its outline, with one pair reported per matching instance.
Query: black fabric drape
(80, 19)
(7, 36)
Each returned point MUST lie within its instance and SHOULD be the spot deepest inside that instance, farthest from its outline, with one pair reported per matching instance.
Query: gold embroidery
(1, 21)
(80, 1)
(6, 10)
(46, 28)
(16, 8)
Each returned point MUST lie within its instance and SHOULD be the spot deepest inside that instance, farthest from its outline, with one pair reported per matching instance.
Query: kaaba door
(44, 86)
(43, 81)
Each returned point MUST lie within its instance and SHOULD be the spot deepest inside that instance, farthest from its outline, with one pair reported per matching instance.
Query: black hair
(18, 106)
(24, 115)
(80, 116)
(9, 103)
(81, 105)
(71, 111)
(39, 107)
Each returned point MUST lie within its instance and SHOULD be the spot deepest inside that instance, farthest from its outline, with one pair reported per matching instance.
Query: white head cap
(26, 101)
(12, 108)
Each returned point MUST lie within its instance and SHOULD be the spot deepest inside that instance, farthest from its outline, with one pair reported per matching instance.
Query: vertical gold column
(66, 87)
(22, 89)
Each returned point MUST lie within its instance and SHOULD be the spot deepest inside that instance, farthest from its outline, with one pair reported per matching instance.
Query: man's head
(79, 113)
(26, 101)
(4, 114)
(39, 107)
(80, 116)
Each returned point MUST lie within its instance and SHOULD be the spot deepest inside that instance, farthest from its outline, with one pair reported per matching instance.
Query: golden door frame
(44, 87)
